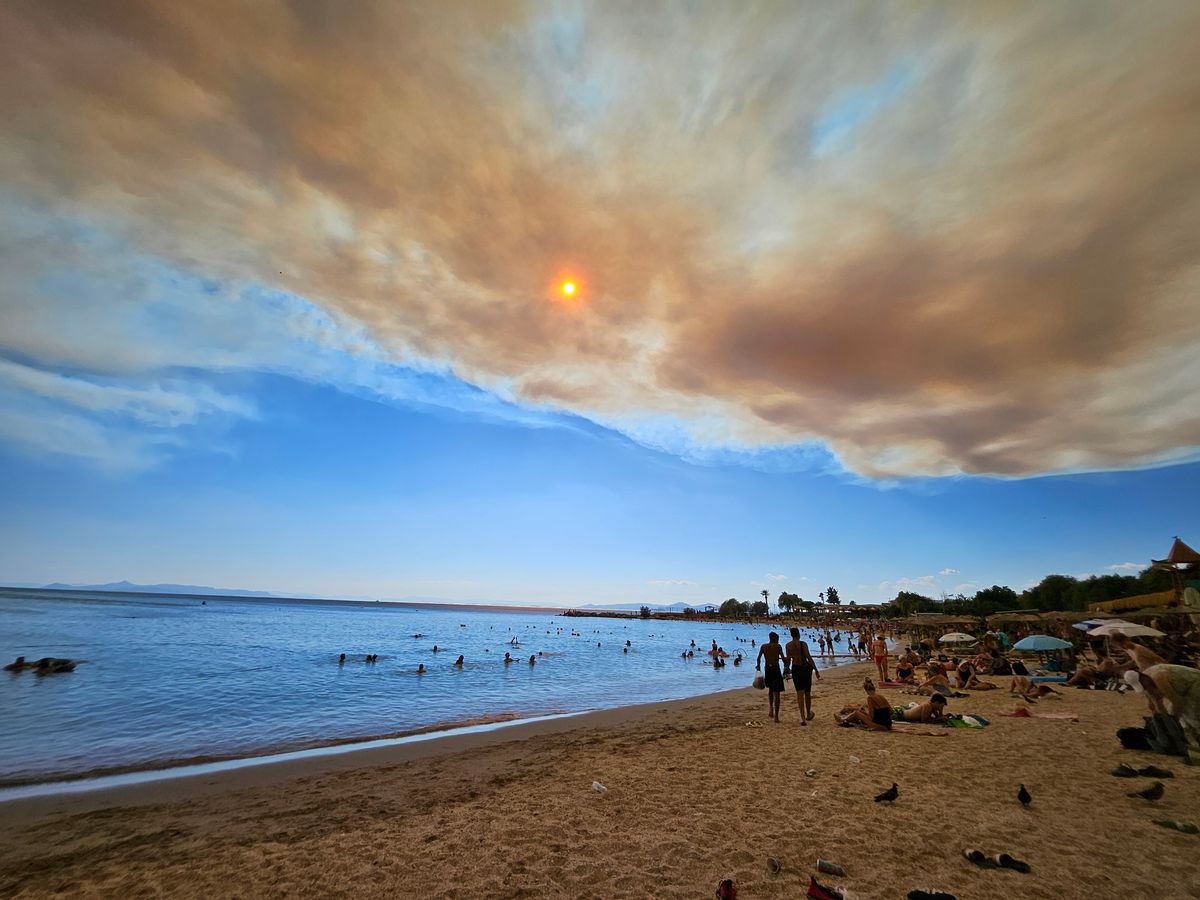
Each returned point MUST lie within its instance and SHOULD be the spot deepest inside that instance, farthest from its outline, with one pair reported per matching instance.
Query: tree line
(1054, 592)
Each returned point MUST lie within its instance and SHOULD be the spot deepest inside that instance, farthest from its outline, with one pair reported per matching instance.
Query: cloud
(771, 577)
(1130, 567)
(948, 571)
(673, 582)
(989, 269)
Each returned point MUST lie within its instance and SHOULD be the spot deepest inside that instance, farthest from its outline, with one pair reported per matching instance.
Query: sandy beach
(697, 790)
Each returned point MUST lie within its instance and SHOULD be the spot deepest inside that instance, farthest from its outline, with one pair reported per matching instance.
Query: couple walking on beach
(798, 662)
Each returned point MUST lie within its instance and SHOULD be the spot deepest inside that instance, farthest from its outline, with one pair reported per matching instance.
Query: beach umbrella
(1089, 624)
(1041, 642)
(956, 637)
(1126, 628)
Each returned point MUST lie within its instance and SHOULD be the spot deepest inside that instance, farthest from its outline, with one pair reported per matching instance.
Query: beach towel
(1022, 712)
(966, 720)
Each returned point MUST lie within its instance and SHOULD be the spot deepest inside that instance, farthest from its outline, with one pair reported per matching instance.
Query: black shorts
(802, 678)
(773, 677)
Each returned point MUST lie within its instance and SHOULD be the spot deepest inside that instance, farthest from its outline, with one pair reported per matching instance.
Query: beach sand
(694, 795)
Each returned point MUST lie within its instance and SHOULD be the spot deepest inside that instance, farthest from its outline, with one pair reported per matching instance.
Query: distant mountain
(129, 587)
(672, 607)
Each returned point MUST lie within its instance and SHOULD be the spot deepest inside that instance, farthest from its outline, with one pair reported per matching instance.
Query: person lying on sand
(932, 710)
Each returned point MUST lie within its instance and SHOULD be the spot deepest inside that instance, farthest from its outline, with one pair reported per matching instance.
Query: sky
(881, 296)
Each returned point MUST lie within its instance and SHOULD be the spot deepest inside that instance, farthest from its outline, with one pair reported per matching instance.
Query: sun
(568, 288)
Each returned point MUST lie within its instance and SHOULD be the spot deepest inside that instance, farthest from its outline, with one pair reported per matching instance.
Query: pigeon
(1154, 792)
(889, 795)
(1024, 796)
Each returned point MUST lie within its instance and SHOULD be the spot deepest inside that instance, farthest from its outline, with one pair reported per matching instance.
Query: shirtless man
(797, 658)
(879, 651)
(1143, 657)
(932, 710)
(773, 676)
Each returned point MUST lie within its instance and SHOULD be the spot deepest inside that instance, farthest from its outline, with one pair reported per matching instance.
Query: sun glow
(568, 288)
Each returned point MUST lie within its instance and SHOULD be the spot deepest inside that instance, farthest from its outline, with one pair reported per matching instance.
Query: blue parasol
(1041, 642)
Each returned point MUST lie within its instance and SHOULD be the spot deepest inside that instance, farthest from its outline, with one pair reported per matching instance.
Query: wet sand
(694, 794)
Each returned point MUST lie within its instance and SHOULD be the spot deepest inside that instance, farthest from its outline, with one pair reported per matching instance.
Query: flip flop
(1155, 772)
(919, 894)
(977, 857)
(1185, 827)
(1004, 861)
(1124, 771)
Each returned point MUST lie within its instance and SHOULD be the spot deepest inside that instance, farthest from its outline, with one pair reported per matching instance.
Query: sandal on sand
(1004, 861)
(977, 857)
(1185, 827)
(1155, 772)
(919, 894)
(1124, 771)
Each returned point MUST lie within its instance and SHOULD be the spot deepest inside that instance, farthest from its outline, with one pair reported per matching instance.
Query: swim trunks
(773, 677)
(802, 678)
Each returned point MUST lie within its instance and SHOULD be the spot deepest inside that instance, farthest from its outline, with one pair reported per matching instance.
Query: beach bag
(726, 890)
(1133, 738)
(1165, 736)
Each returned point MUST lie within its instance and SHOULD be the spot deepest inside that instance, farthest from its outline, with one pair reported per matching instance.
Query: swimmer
(459, 662)
(507, 658)
(342, 660)
(532, 659)
(421, 668)
(435, 648)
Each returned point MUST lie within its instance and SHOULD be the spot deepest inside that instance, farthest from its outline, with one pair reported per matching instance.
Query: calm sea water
(168, 679)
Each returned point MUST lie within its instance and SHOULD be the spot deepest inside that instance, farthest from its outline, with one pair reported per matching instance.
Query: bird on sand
(1024, 796)
(889, 795)
(1154, 792)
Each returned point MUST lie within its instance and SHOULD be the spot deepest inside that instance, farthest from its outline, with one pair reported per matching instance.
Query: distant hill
(129, 587)
(673, 607)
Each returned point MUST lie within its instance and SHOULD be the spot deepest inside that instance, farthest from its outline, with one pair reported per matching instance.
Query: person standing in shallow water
(773, 676)
(797, 658)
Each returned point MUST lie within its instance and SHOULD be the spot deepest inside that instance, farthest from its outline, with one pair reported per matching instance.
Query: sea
(168, 680)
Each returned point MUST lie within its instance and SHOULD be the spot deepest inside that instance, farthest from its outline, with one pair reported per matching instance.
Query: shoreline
(695, 790)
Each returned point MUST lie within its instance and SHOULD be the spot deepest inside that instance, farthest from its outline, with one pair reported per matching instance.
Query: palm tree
(767, 599)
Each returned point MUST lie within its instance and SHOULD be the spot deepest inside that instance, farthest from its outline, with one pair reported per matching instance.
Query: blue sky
(867, 296)
(327, 492)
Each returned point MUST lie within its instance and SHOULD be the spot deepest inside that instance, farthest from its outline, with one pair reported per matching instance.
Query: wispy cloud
(771, 577)
(672, 582)
(991, 268)
(948, 571)
(1130, 567)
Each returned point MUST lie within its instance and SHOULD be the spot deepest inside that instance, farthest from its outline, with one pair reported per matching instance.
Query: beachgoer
(459, 662)
(799, 660)
(773, 676)
(342, 660)
(420, 668)
(532, 659)
(875, 714)
(507, 658)
(904, 670)
(435, 648)
(932, 710)
(1143, 657)
(19, 664)
(879, 651)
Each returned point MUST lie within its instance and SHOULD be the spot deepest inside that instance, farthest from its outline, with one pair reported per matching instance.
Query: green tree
(831, 596)
(993, 600)
(1051, 593)
(789, 602)
(759, 608)
(906, 603)
(689, 612)
(734, 607)
(644, 612)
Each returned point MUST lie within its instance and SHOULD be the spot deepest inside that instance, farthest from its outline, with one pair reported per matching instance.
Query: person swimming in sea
(420, 668)
(459, 662)
(508, 658)
(532, 659)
